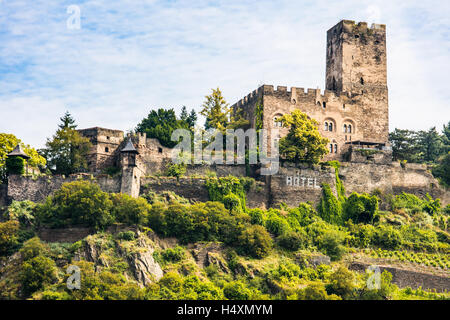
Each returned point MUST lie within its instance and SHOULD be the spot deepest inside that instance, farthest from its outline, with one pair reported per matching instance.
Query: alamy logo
(74, 20)
(374, 279)
(74, 280)
(241, 147)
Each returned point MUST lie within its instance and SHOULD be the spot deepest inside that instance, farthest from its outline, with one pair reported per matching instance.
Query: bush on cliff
(8, 236)
(129, 210)
(77, 203)
(360, 208)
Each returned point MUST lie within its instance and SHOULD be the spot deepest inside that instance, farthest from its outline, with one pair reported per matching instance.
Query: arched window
(276, 122)
(335, 148)
(330, 126)
(106, 149)
(331, 148)
(325, 127)
(349, 128)
(345, 128)
(361, 80)
(318, 103)
(324, 104)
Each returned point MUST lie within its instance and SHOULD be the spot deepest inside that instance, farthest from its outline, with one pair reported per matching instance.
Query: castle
(352, 113)
(353, 110)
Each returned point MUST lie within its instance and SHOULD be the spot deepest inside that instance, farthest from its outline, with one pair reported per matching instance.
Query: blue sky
(131, 56)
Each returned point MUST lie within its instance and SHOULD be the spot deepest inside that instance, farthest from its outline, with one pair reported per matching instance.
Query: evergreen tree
(430, 145)
(67, 150)
(192, 119)
(184, 114)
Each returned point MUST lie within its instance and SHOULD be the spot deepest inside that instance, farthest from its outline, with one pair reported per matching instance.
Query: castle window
(361, 81)
(345, 128)
(277, 123)
(294, 101)
(345, 137)
(356, 36)
(160, 150)
(335, 148)
(349, 128)
(330, 126)
(106, 149)
(325, 127)
(343, 106)
(324, 104)
(331, 148)
(107, 138)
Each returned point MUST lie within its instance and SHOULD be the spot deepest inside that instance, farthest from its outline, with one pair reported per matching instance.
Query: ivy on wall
(230, 190)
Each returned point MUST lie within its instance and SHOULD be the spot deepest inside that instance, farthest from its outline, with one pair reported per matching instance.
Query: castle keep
(353, 110)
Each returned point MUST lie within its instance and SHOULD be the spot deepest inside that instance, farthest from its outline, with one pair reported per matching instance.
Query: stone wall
(221, 170)
(293, 185)
(3, 195)
(64, 235)
(408, 278)
(37, 189)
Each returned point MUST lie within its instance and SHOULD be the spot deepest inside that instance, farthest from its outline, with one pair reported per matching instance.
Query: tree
(446, 137)
(8, 236)
(303, 141)
(192, 119)
(442, 170)
(430, 145)
(7, 144)
(77, 203)
(37, 273)
(342, 283)
(404, 145)
(360, 208)
(160, 124)
(67, 150)
(216, 110)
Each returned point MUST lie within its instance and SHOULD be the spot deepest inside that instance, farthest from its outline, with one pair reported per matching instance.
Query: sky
(122, 58)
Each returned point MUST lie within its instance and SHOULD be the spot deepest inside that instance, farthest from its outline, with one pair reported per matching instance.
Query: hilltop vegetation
(253, 254)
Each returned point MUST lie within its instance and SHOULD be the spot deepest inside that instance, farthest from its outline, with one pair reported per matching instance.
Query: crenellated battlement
(287, 93)
(352, 26)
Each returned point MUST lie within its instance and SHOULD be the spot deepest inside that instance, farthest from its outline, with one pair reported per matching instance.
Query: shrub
(77, 203)
(255, 241)
(33, 248)
(387, 237)
(316, 291)
(276, 225)
(173, 254)
(8, 236)
(236, 290)
(22, 211)
(176, 170)
(126, 235)
(342, 283)
(129, 210)
(329, 208)
(360, 208)
(293, 241)
(331, 242)
(256, 216)
(15, 165)
(37, 273)
(232, 203)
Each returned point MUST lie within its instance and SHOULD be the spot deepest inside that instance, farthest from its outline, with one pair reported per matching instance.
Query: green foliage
(232, 202)
(67, 150)
(331, 243)
(329, 208)
(173, 255)
(223, 187)
(15, 165)
(413, 204)
(255, 241)
(236, 290)
(22, 211)
(276, 224)
(129, 210)
(176, 170)
(387, 237)
(8, 236)
(7, 144)
(316, 291)
(257, 216)
(127, 235)
(160, 124)
(442, 170)
(293, 240)
(342, 283)
(360, 208)
(216, 111)
(303, 141)
(33, 248)
(36, 273)
(77, 203)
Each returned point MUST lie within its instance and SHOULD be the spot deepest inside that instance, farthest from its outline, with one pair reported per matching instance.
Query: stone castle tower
(353, 110)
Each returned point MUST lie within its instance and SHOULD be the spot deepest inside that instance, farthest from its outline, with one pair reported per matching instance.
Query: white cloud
(130, 56)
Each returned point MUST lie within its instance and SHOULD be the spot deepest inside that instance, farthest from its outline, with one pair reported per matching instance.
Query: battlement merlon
(288, 93)
(351, 26)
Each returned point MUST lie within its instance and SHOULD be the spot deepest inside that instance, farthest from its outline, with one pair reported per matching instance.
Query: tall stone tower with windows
(356, 65)
(353, 111)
